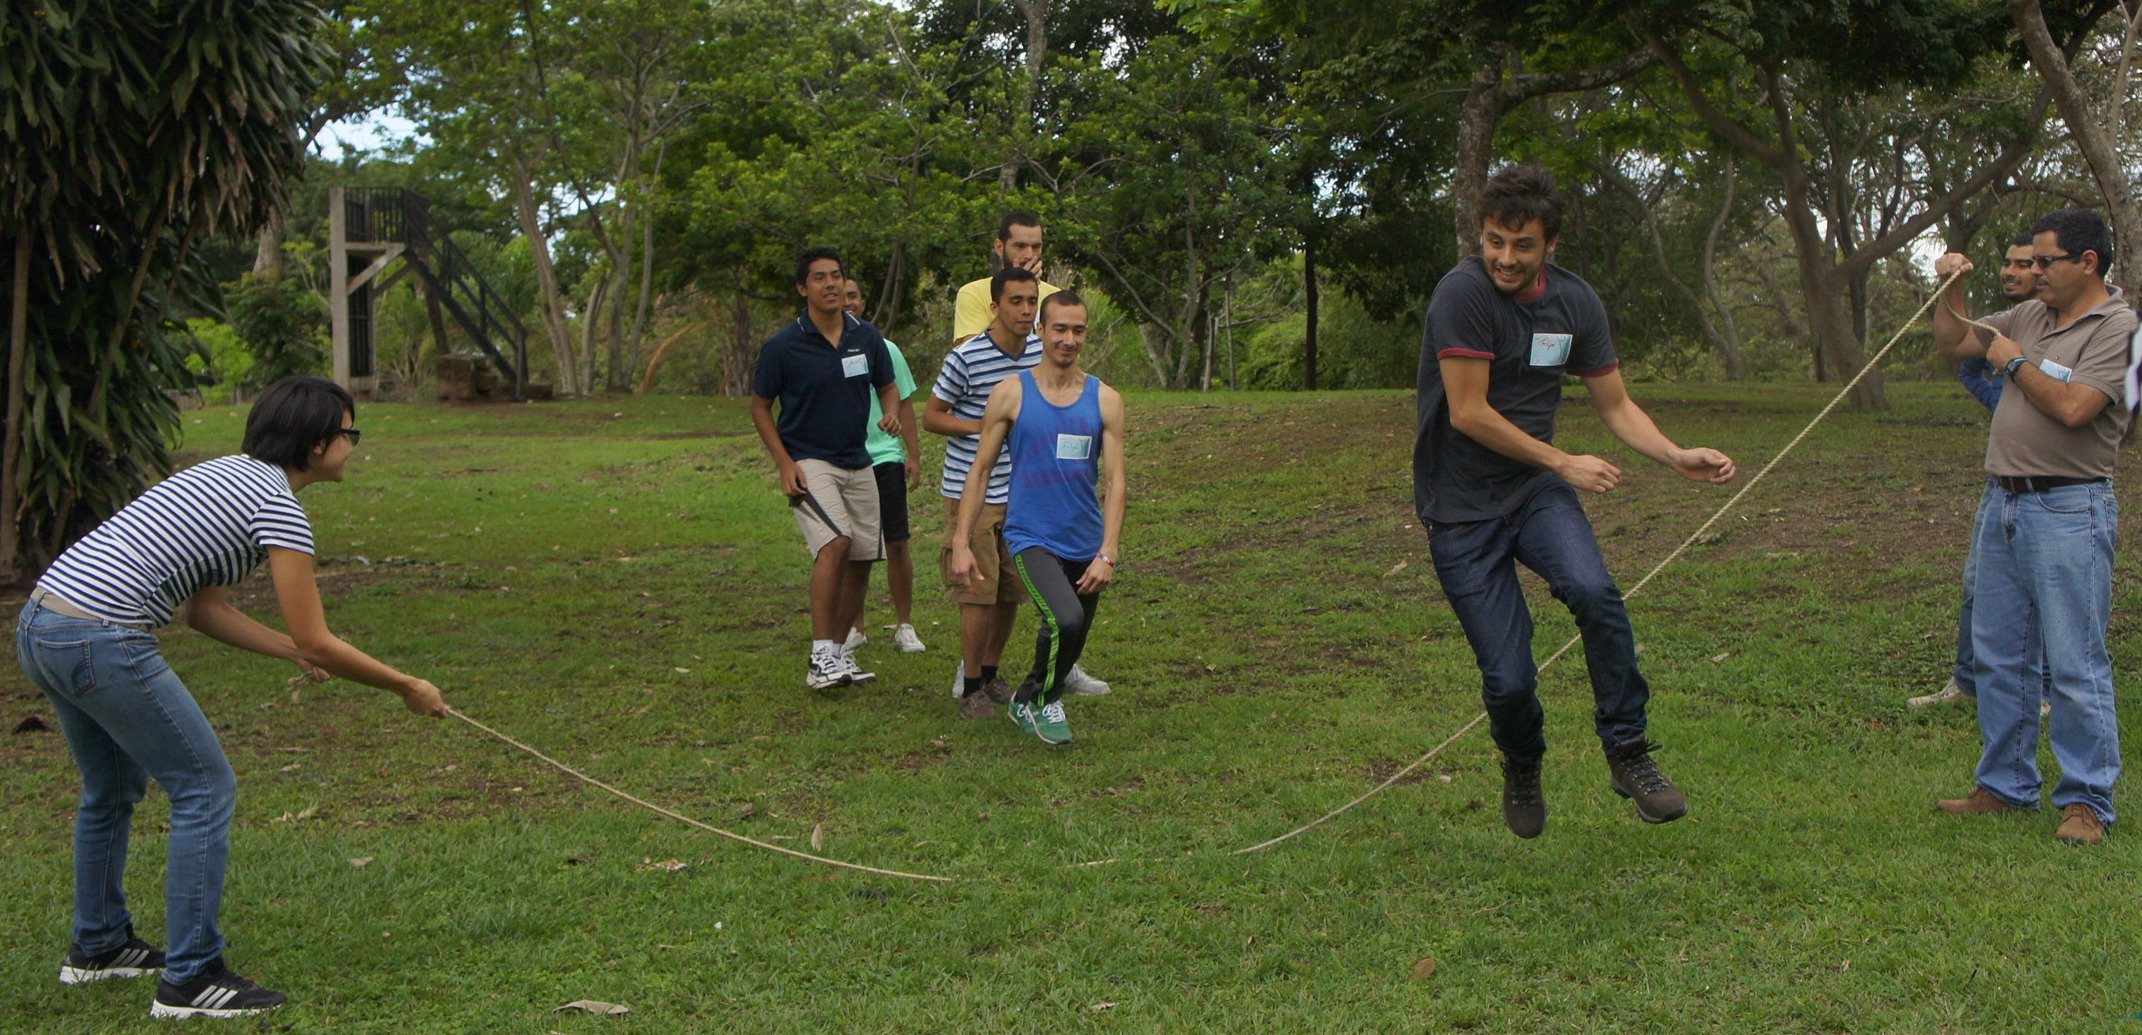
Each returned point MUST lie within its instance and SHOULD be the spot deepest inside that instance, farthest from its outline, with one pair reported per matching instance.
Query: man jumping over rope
(1503, 329)
(1059, 423)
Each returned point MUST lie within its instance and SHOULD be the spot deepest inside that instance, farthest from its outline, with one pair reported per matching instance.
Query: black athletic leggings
(1066, 617)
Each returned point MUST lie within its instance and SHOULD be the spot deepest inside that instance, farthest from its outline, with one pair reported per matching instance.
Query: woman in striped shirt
(85, 639)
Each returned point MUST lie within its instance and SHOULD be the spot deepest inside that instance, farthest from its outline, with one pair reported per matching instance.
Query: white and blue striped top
(207, 525)
(971, 371)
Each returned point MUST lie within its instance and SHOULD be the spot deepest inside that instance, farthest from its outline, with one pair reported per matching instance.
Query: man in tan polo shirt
(2047, 522)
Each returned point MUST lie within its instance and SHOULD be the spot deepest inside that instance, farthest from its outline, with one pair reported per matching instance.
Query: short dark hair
(294, 416)
(1012, 219)
(1059, 298)
(806, 257)
(2023, 240)
(1519, 194)
(1005, 276)
(2078, 230)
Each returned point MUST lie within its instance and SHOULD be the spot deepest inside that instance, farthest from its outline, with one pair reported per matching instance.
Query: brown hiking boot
(1979, 800)
(996, 689)
(977, 705)
(1636, 777)
(2079, 825)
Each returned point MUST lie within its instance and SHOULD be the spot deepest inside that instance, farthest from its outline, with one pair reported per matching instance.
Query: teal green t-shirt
(884, 448)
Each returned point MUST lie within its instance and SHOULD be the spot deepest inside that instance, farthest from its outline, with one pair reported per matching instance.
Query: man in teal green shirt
(897, 461)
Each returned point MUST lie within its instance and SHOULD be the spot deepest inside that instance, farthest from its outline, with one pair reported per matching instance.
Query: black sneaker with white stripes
(216, 993)
(130, 960)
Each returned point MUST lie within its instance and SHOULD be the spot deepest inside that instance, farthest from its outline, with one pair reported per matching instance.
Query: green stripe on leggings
(1056, 631)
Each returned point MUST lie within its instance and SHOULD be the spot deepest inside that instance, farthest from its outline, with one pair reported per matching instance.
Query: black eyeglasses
(354, 434)
(2046, 261)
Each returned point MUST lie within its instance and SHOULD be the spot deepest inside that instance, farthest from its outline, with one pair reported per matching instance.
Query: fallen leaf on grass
(1396, 568)
(306, 813)
(666, 865)
(818, 837)
(1423, 970)
(1098, 1007)
(33, 724)
(1716, 658)
(360, 861)
(595, 1007)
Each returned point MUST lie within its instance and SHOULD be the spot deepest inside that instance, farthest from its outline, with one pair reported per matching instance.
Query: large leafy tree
(130, 131)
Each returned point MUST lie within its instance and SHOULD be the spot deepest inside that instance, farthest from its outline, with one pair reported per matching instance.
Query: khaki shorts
(991, 558)
(839, 502)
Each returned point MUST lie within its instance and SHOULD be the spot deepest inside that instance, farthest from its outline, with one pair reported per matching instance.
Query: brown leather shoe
(2079, 825)
(977, 705)
(1980, 800)
(998, 690)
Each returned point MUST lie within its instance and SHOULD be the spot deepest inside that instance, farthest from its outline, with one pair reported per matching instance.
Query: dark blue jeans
(1477, 564)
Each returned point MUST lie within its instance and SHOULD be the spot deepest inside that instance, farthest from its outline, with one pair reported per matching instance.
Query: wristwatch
(2015, 364)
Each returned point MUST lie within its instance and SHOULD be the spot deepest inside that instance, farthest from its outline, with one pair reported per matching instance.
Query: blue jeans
(1476, 561)
(1966, 673)
(2044, 593)
(128, 719)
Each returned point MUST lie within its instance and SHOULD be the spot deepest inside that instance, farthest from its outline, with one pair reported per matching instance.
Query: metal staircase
(370, 228)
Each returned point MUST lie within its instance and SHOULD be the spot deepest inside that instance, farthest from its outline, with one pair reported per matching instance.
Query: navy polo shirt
(823, 389)
(1529, 346)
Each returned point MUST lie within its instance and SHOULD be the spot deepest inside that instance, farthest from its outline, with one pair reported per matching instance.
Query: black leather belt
(2040, 483)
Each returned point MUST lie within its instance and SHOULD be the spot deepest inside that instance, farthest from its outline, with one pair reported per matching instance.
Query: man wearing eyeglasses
(2046, 523)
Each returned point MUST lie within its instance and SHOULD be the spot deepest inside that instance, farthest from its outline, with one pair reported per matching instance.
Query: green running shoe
(1024, 715)
(1050, 725)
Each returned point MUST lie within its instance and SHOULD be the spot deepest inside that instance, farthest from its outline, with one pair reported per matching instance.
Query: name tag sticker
(1550, 350)
(854, 366)
(2055, 370)
(1074, 447)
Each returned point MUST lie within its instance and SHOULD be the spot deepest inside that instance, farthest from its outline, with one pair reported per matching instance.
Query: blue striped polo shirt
(208, 525)
(971, 372)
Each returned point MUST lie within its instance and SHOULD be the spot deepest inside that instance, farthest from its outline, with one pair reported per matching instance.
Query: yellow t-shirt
(971, 316)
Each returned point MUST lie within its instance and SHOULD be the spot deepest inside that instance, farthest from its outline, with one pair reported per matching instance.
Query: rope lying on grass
(1693, 538)
(295, 682)
(681, 818)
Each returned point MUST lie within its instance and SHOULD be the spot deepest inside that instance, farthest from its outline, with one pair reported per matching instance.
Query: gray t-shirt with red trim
(1530, 346)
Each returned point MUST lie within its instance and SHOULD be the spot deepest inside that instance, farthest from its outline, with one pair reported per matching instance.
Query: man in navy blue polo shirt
(1503, 329)
(823, 368)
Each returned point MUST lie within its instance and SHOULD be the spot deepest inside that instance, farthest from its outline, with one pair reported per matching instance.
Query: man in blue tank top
(1059, 423)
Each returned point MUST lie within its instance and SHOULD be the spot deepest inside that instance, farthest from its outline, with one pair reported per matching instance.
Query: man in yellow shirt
(1018, 244)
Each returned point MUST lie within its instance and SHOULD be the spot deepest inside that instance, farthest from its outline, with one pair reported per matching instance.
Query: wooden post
(338, 276)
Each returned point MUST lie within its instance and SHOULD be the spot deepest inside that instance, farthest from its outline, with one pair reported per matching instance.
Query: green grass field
(619, 584)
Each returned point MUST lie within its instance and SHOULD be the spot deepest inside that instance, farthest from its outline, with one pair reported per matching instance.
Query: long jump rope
(1693, 538)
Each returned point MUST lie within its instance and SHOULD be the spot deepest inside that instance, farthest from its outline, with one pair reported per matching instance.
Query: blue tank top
(1055, 452)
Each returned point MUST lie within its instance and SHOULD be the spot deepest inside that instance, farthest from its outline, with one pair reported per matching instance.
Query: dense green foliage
(133, 132)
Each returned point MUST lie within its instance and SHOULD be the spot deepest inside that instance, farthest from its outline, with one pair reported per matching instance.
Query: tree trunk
(736, 373)
(18, 344)
(1310, 296)
(561, 341)
(268, 248)
(1485, 105)
(2097, 146)
(1037, 49)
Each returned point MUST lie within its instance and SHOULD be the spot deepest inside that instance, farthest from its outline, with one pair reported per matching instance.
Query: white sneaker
(1949, 694)
(853, 671)
(829, 668)
(959, 680)
(905, 637)
(855, 640)
(1082, 683)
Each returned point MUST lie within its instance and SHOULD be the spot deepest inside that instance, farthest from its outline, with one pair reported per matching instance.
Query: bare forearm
(335, 655)
(1493, 430)
(938, 422)
(770, 436)
(227, 624)
(2071, 404)
(908, 434)
(1635, 429)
